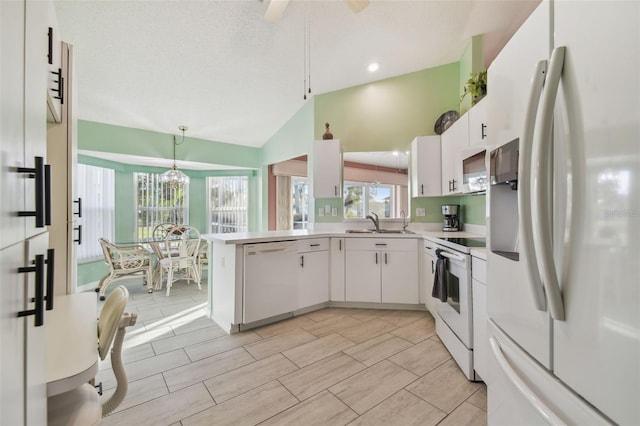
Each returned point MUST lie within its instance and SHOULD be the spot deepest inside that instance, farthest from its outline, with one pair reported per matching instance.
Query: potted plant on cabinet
(476, 86)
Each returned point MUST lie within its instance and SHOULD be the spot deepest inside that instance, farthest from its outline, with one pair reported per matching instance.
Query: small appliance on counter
(451, 221)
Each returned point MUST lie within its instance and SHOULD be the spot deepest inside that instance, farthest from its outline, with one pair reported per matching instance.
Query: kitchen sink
(382, 231)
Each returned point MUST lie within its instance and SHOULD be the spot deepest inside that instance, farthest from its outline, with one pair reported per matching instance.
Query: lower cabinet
(336, 260)
(313, 272)
(480, 337)
(381, 270)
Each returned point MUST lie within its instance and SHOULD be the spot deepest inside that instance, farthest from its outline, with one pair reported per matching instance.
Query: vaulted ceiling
(230, 75)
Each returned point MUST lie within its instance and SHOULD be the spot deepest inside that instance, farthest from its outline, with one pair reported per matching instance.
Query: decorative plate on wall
(445, 121)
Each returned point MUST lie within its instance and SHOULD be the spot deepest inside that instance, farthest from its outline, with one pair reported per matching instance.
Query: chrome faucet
(403, 215)
(375, 220)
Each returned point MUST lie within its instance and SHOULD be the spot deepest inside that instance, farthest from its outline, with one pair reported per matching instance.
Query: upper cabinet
(55, 79)
(425, 166)
(454, 141)
(327, 169)
(478, 123)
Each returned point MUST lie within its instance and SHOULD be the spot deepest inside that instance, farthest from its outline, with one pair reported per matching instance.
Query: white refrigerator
(564, 306)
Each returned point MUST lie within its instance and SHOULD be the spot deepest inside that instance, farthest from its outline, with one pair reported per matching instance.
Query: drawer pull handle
(42, 174)
(38, 311)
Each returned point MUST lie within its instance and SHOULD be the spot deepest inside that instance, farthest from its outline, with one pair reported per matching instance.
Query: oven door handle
(452, 256)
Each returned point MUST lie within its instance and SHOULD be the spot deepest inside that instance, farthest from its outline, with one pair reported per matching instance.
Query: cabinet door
(35, 87)
(478, 123)
(454, 140)
(313, 278)
(480, 338)
(54, 63)
(62, 155)
(337, 270)
(400, 282)
(426, 172)
(363, 276)
(12, 333)
(12, 184)
(327, 169)
(22, 375)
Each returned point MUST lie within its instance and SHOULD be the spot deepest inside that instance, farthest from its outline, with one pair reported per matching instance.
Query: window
(159, 202)
(228, 199)
(361, 198)
(300, 202)
(96, 189)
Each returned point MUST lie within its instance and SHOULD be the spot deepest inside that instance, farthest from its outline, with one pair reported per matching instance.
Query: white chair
(124, 260)
(203, 257)
(81, 406)
(181, 244)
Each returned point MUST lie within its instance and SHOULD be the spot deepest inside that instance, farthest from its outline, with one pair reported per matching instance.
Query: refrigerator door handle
(542, 408)
(524, 188)
(541, 185)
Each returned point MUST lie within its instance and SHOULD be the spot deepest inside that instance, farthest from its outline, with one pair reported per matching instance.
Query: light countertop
(269, 236)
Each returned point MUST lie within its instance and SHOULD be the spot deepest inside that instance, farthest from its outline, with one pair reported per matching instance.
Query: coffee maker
(451, 222)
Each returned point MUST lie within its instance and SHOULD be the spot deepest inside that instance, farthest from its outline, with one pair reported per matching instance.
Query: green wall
(472, 60)
(386, 115)
(102, 137)
(472, 208)
(292, 140)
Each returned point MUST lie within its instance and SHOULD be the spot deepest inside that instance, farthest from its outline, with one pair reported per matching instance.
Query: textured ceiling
(231, 76)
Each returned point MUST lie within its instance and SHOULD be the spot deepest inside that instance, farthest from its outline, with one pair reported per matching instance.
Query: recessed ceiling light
(374, 67)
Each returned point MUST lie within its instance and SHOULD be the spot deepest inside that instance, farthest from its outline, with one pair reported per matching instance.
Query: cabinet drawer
(313, 244)
(384, 244)
(479, 269)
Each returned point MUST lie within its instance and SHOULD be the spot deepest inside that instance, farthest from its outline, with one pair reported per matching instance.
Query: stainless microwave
(503, 164)
(474, 173)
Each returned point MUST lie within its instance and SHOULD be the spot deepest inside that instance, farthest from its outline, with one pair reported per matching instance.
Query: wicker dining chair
(182, 244)
(124, 260)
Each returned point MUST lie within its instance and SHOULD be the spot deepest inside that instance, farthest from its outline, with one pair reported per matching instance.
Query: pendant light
(175, 177)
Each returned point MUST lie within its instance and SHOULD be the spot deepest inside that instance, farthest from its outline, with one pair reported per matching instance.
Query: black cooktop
(467, 242)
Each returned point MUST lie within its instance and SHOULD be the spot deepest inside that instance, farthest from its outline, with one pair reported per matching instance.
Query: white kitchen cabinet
(381, 270)
(327, 169)
(478, 123)
(12, 184)
(454, 140)
(337, 269)
(479, 297)
(22, 366)
(62, 153)
(400, 282)
(313, 272)
(56, 81)
(22, 235)
(426, 172)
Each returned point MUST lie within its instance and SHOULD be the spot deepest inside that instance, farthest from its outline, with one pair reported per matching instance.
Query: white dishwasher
(270, 280)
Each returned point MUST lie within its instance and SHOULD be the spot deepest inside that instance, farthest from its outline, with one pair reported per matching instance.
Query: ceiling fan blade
(357, 5)
(275, 10)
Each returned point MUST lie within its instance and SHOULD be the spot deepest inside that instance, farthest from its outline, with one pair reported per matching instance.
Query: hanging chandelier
(175, 177)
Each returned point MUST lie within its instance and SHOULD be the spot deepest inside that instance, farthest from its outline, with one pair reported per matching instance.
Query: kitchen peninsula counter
(229, 253)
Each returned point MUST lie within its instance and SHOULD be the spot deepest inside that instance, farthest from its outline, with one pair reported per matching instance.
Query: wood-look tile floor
(335, 366)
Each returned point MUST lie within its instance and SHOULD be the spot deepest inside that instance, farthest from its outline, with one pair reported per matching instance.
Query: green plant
(476, 86)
